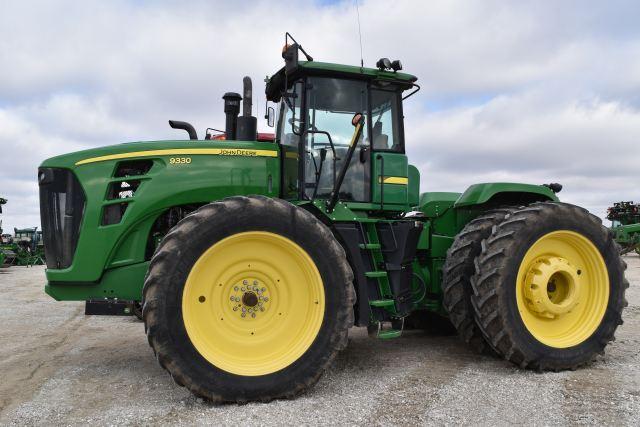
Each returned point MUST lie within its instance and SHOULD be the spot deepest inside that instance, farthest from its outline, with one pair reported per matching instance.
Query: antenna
(359, 34)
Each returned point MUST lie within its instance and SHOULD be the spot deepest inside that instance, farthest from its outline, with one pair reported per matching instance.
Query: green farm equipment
(28, 246)
(7, 254)
(253, 256)
(625, 225)
(24, 248)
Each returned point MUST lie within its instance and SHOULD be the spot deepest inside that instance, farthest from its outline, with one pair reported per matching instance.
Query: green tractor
(24, 248)
(28, 246)
(7, 255)
(625, 225)
(253, 257)
(3, 256)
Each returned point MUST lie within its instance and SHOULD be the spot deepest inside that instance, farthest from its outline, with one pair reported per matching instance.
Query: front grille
(62, 204)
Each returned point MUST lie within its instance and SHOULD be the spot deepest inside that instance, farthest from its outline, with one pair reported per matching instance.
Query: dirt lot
(59, 367)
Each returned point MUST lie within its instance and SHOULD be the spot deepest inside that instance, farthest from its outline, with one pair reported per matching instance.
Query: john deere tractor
(28, 246)
(253, 258)
(3, 255)
(7, 254)
(625, 225)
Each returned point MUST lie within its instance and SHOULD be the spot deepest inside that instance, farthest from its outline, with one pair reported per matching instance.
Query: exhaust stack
(247, 129)
(177, 124)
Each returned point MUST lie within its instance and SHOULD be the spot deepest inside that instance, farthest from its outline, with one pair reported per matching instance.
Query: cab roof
(275, 84)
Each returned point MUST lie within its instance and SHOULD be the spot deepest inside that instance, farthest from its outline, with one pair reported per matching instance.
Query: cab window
(385, 121)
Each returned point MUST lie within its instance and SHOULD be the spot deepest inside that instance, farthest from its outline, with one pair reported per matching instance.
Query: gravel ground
(59, 367)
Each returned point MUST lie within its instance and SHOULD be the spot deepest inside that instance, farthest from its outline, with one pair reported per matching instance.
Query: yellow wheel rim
(562, 289)
(253, 303)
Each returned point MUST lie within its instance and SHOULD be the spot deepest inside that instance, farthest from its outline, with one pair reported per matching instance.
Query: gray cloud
(512, 91)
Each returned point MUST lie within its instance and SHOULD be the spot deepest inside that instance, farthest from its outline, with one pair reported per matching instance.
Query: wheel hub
(562, 289)
(552, 287)
(249, 298)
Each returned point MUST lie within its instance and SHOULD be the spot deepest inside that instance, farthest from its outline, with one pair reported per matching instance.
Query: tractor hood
(112, 196)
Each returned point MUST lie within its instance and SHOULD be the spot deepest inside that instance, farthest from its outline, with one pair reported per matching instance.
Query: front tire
(249, 298)
(549, 287)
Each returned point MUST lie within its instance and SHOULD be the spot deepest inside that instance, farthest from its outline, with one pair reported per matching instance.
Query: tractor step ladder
(370, 246)
(374, 247)
(385, 334)
(376, 274)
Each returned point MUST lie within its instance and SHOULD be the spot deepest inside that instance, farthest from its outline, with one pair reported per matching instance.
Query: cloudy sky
(531, 91)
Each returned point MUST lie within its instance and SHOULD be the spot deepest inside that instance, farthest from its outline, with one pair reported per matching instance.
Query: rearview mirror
(270, 116)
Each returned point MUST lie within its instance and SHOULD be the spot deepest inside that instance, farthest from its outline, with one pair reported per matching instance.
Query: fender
(512, 193)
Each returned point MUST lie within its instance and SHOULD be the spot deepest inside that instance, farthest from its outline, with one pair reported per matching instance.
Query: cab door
(288, 137)
(331, 104)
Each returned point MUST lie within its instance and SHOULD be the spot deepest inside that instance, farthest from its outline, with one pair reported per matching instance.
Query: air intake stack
(247, 124)
(231, 111)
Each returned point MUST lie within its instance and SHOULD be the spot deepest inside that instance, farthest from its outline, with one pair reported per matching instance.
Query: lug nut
(243, 314)
(235, 308)
(266, 299)
(245, 282)
(237, 299)
(235, 288)
(264, 289)
(253, 315)
(255, 282)
(233, 299)
(244, 309)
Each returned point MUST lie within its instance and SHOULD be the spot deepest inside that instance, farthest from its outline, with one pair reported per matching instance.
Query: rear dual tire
(547, 288)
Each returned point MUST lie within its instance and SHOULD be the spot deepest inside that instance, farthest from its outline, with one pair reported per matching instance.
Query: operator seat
(380, 140)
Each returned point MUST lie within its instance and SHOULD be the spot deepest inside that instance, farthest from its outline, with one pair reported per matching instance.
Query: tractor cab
(321, 143)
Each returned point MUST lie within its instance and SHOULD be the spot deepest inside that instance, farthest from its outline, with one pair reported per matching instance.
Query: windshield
(331, 104)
